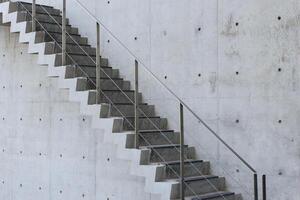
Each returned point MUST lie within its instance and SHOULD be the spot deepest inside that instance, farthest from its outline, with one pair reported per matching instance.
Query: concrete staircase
(157, 158)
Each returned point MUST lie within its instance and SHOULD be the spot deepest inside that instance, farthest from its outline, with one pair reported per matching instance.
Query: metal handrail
(129, 98)
(111, 102)
(209, 182)
(169, 90)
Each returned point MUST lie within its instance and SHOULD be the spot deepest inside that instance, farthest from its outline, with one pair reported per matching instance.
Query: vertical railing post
(136, 103)
(98, 65)
(64, 36)
(255, 187)
(33, 16)
(182, 187)
(264, 187)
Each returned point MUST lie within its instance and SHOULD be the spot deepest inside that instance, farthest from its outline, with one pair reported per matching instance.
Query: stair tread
(68, 33)
(55, 23)
(209, 195)
(105, 78)
(142, 117)
(186, 161)
(92, 66)
(46, 6)
(68, 43)
(161, 146)
(155, 131)
(114, 90)
(196, 178)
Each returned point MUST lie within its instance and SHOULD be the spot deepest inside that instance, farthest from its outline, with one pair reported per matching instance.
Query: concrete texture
(239, 72)
(48, 149)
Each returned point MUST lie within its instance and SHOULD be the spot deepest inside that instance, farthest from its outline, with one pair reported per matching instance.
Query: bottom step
(221, 195)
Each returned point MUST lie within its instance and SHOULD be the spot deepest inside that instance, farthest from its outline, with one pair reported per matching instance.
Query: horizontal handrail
(168, 89)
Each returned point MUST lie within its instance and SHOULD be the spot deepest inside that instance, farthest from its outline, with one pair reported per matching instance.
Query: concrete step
(73, 49)
(221, 195)
(42, 36)
(158, 137)
(145, 123)
(112, 96)
(108, 84)
(159, 154)
(105, 72)
(25, 16)
(57, 37)
(127, 110)
(53, 27)
(41, 9)
(83, 61)
(191, 168)
(199, 185)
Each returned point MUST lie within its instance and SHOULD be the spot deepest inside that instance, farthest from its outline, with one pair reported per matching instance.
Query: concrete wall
(239, 72)
(48, 150)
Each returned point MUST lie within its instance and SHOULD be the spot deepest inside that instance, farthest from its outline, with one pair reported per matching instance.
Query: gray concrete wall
(47, 149)
(242, 65)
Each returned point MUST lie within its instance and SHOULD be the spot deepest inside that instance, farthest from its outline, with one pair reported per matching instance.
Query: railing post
(98, 65)
(33, 16)
(182, 187)
(264, 187)
(136, 103)
(64, 36)
(255, 187)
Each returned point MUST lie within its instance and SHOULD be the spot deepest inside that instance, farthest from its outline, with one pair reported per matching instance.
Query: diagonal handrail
(159, 155)
(118, 88)
(148, 143)
(200, 120)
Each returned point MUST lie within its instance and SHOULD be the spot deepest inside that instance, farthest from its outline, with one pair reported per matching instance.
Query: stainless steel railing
(139, 63)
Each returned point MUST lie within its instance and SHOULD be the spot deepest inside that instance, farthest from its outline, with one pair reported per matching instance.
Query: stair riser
(74, 49)
(170, 154)
(115, 97)
(199, 187)
(28, 7)
(25, 16)
(227, 197)
(54, 28)
(91, 72)
(42, 37)
(106, 84)
(190, 169)
(205, 186)
(80, 60)
(159, 138)
(146, 124)
(75, 40)
(128, 110)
